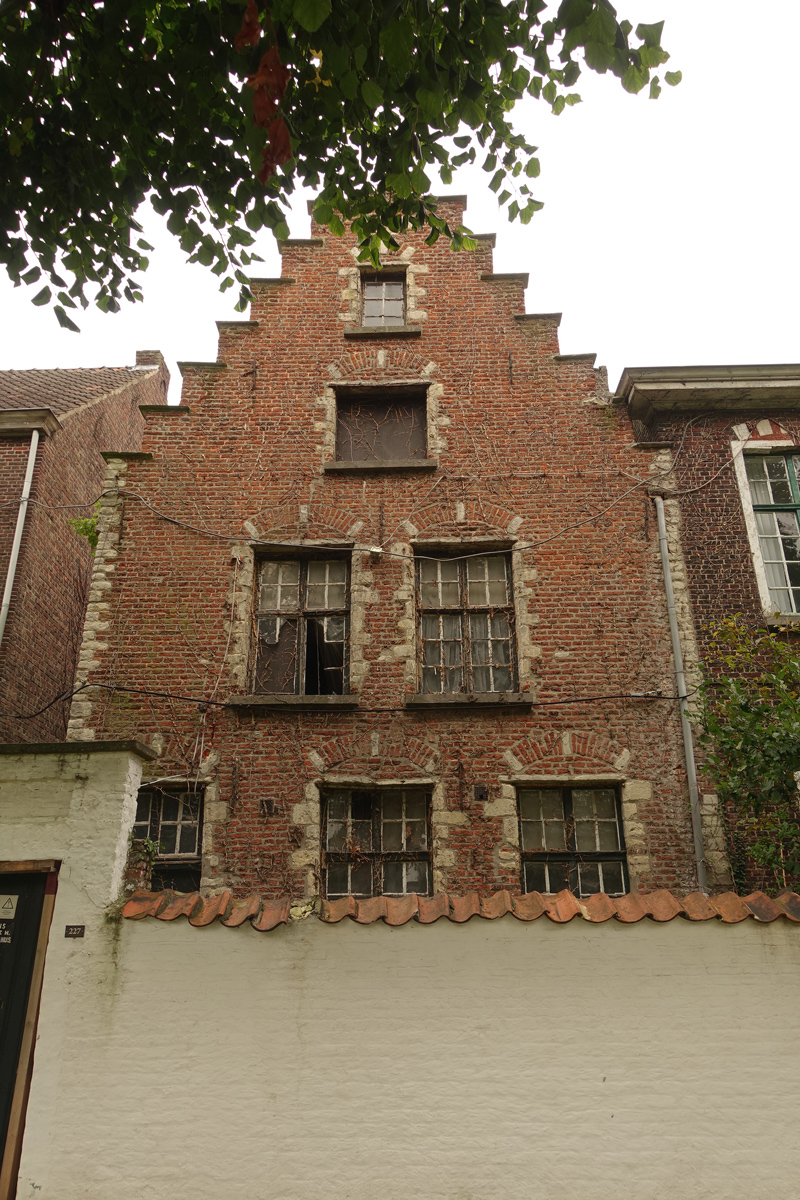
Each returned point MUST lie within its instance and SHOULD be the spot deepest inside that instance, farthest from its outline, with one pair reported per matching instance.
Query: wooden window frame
(377, 858)
(571, 856)
(177, 861)
(303, 615)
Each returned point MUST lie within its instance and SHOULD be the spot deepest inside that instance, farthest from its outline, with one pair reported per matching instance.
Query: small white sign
(8, 907)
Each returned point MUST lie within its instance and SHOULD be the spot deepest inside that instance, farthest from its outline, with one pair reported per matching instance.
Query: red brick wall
(43, 632)
(530, 441)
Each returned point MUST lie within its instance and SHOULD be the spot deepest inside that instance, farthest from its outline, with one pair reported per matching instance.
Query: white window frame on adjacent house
(740, 448)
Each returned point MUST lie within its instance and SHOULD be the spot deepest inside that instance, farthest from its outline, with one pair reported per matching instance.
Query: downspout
(683, 702)
(15, 545)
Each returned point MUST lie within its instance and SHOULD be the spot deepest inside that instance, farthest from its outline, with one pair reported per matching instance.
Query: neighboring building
(55, 424)
(379, 657)
(734, 435)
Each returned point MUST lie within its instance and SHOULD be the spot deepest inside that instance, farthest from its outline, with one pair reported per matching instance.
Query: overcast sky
(669, 233)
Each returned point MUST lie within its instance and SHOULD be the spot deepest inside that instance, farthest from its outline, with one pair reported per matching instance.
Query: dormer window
(383, 299)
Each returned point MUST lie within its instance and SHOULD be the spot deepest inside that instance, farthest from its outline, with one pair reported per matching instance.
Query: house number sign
(75, 931)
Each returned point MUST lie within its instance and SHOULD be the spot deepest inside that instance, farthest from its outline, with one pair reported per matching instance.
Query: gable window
(302, 619)
(571, 837)
(466, 621)
(172, 821)
(773, 480)
(383, 299)
(376, 842)
(389, 425)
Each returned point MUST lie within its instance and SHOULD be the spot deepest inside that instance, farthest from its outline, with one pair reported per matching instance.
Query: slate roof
(398, 910)
(61, 389)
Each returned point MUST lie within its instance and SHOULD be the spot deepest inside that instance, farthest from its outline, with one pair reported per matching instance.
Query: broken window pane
(303, 653)
(172, 821)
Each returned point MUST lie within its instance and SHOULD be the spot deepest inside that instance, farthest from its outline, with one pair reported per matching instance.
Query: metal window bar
(376, 842)
(383, 300)
(466, 623)
(775, 491)
(302, 627)
(572, 838)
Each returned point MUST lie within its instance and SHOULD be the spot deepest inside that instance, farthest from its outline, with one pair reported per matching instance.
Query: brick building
(380, 566)
(380, 649)
(734, 436)
(55, 424)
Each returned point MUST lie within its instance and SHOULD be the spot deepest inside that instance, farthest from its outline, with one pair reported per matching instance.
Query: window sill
(387, 464)
(382, 331)
(469, 700)
(783, 621)
(275, 703)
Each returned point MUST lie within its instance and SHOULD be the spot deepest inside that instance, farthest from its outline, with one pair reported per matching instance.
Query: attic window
(383, 299)
(381, 426)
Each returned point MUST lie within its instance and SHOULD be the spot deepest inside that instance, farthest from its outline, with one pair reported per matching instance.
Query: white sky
(669, 233)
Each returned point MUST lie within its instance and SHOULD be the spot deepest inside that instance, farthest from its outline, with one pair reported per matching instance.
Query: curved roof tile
(398, 910)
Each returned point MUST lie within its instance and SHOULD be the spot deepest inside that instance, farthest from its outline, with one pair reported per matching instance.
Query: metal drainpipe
(15, 545)
(683, 703)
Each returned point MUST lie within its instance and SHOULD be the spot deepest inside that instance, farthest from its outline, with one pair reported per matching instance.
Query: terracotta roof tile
(399, 910)
(61, 389)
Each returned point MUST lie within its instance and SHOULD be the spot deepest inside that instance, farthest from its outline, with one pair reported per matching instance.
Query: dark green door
(21, 900)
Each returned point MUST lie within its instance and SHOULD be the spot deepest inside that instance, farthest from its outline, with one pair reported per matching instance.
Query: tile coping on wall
(398, 910)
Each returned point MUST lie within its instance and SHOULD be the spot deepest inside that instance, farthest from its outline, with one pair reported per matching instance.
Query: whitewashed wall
(491, 1061)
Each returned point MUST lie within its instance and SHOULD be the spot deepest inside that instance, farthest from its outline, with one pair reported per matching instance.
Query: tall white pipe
(683, 702)
(15, 545)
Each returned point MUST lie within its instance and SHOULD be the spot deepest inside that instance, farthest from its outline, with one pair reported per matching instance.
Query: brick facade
(96, 410)
(529, 454)
(709, 420)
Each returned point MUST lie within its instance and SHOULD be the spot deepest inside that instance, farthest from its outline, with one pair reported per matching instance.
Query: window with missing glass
(383, 299)
(571, 837)
(466, 624)
(380, 426)
(774, 481)
(376, 842)
(171, 819)
(302, 619)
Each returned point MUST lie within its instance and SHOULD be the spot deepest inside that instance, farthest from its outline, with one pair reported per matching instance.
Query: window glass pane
(555, 835)
(170, 806)
(779, 481)
(588, 879)
(338, 879)
(612, 879)
(585, 835)
(361, 879)
(338, 805)
(416, 835)
(276, 665)
(393, 835)
(757, 478)
(393, 878)
(534, 877)
(280, 587)
(393, 806)
(167, 838)
(557, 876)
(188, 839)
(417, 878)
(605, 804)
(416, 806)
(337, 833)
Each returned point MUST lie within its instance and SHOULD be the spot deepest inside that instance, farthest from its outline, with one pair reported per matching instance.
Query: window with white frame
(383, 299)
(572, 838)
(774, 481)
(302, 620)
(171, 821)
(376, 842)
(466, 623)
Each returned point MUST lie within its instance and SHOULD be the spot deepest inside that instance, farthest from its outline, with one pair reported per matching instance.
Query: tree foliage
(749, 710)
(104, 102)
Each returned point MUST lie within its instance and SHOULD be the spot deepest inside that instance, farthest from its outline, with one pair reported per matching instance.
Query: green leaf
(349, 85)
(532, 168)
(335, 225)
(311, 13)
(673, 78)
(400, 184)
(63, 320)
(462, 141)
(598, 57)
(497, 179)
(359, 57)
(31, 276)
(471, 113)
(397, 46)
(373, 96)
(655, 88)
(634, 79)
(42, 297)
(650, 34)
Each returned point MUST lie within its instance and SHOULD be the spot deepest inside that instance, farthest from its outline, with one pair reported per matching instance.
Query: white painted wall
(492, 1061)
